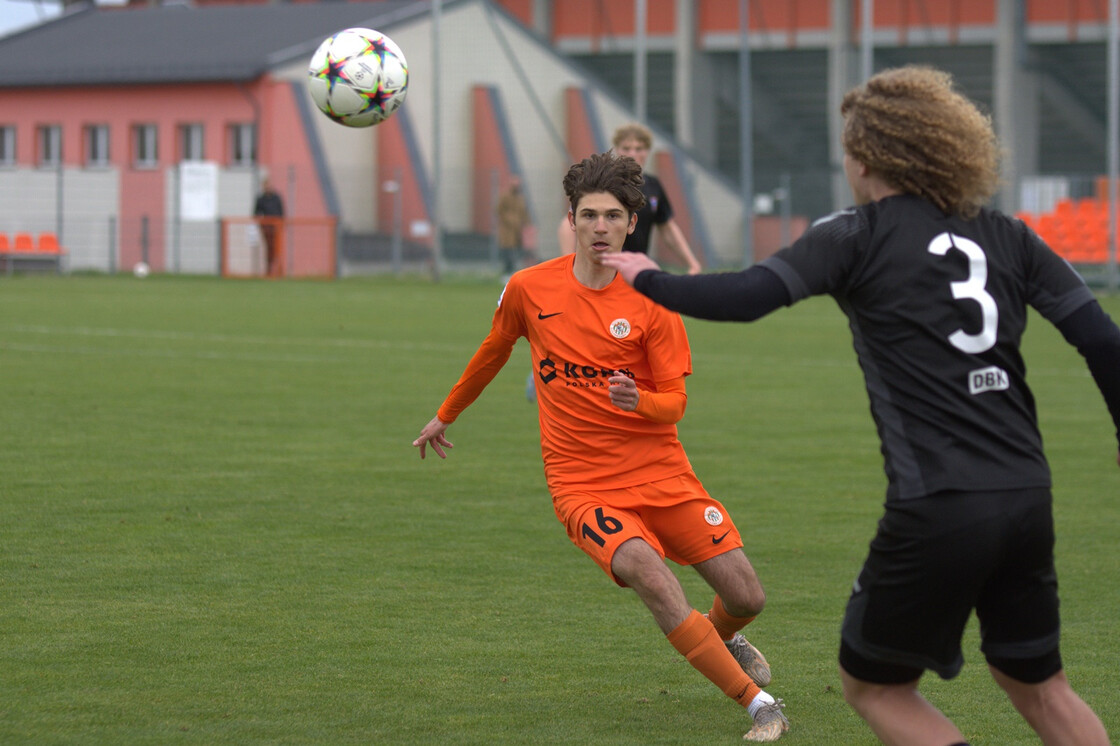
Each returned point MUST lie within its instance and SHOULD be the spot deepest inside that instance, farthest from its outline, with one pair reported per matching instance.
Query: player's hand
(432, 435)
(623, 392)
(628, 264)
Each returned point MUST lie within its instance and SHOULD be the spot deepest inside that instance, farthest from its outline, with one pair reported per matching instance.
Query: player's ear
(861, 168)
(633, 222)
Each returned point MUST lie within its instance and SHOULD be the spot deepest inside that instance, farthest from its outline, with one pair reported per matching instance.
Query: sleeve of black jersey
(1097, 338)
(722, 296)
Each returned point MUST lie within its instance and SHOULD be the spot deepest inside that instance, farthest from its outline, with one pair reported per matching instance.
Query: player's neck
(591, 274)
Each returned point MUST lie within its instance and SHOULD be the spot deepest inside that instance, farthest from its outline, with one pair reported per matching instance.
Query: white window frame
(7, 145)
(145, 146)
(192, 142)
(242, 144)
(49, 145)
(97, 145)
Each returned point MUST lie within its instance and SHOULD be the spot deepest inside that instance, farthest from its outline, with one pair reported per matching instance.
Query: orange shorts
(675, 516)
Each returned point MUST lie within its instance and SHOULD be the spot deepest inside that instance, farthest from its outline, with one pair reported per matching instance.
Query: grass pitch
(215, 530)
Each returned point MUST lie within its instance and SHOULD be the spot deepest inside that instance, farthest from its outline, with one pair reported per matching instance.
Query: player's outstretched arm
(1097, 337)
(628, 264)
(432, 435)
(747, 295)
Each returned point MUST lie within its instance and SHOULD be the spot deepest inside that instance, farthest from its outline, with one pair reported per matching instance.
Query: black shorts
(934, 560)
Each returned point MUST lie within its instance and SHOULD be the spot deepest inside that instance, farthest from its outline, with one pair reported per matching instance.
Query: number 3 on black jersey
(972, 289)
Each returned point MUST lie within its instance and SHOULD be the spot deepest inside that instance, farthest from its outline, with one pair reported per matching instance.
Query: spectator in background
(636, 141)
(270, 206)
(513, 218)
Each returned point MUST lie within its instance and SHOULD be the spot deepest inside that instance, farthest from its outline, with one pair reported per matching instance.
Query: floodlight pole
(866, 43)
(640, 59)
(437, 166)
(746, 151)
(1113, 135)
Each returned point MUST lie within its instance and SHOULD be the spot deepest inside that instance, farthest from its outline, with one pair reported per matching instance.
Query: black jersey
(937, 306)
(655, 211)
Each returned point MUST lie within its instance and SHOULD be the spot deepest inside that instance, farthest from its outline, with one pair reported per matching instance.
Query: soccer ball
(141, 270)
(359, 77)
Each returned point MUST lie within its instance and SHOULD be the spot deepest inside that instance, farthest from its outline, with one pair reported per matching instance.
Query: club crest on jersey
(713, 516)
(620, 328)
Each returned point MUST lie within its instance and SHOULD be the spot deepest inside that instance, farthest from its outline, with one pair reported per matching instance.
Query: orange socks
(697, 640)
(725, 624)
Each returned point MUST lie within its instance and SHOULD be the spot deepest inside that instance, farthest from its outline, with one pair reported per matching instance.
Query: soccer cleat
(769, 724)
(751, 660)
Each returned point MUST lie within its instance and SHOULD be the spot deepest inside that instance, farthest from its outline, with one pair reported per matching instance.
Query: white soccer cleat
(769, 724)
(752, 661)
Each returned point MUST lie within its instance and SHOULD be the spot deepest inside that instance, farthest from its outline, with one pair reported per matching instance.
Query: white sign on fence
(198, 190)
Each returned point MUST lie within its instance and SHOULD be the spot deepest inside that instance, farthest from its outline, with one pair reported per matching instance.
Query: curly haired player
(936, 289)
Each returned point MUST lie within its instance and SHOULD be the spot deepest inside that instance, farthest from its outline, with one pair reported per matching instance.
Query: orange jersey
(577, 338)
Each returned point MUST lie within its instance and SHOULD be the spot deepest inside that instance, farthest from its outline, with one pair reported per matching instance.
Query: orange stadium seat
(5, 246)
(23, 243)
(48, 244)
(1088, 208)
(1097, 250)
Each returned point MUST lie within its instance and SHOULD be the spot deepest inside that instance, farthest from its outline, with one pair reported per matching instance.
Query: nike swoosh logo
(717, 541)
(543, 316)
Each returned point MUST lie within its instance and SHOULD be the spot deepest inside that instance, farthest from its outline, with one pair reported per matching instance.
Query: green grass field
(214, 529)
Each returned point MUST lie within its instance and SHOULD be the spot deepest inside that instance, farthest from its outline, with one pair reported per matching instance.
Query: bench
(22, 250)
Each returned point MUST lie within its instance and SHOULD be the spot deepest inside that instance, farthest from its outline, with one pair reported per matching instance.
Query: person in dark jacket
(270, 207)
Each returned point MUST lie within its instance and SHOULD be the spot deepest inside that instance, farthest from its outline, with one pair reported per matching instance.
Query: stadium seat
(1088, 208)
(22, 243)
(1097, 248)
(5, 246)
(48, 244)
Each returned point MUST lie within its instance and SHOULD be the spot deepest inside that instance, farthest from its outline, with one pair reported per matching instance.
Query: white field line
(325, 343)
(757, 357)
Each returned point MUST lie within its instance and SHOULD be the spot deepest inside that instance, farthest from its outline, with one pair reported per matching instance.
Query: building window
(242, 145)
(7, 145)
(145, 146)
(50, 145)
(97, 145)
(190, 142)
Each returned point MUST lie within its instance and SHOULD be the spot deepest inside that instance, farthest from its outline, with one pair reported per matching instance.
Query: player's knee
(744, 598)
(638, 565)
(750, 602)
(1027, 686)
(855, 692)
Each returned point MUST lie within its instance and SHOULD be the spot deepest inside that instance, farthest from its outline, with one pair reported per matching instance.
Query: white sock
(760, 699)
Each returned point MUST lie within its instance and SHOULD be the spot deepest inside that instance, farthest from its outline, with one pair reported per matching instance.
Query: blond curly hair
(913, 130)
(633, 131)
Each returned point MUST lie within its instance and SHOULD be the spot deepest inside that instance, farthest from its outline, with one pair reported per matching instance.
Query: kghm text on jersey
(992, 378)
(577, 374)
